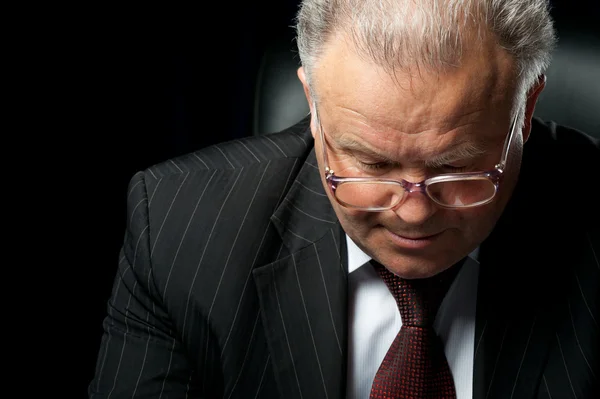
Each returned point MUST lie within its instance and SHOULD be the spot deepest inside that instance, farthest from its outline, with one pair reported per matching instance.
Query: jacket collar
(305, 214)
(303, 296)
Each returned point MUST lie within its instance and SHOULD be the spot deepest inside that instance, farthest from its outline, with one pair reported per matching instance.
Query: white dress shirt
(374, 321)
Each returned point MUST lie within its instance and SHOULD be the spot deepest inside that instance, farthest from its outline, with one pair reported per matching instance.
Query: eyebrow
(350, 144)
(459, 152)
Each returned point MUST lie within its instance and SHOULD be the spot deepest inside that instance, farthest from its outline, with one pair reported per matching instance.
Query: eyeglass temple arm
(328, 171)
(507, 143)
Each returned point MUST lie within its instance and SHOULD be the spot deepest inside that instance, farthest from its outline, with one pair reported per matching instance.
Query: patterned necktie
(415, 366)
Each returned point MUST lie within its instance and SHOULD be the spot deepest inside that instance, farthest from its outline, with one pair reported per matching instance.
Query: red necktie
(415, 366)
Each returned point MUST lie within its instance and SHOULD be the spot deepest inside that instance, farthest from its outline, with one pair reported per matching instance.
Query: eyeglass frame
(493, 175)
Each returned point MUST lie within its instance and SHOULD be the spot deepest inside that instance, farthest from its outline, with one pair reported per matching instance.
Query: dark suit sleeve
(140, 355)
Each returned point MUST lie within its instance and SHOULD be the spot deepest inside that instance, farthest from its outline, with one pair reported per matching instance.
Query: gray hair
(402, 34)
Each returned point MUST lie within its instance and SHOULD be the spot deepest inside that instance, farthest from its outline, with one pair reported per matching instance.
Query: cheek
(475, 224)
(356, 221)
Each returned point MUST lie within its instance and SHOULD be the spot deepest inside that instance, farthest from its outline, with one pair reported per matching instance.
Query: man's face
(379, 125)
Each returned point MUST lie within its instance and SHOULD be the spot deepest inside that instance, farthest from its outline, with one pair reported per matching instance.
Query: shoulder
(248, 152)
(557, 190)
(556, 195)
(223, 177)
(562, 148)
(559, 162)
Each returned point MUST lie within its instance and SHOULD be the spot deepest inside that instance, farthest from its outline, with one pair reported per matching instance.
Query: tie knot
(418, 299)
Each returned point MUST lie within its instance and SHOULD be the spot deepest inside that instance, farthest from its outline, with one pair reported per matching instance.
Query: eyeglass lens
(455, 193)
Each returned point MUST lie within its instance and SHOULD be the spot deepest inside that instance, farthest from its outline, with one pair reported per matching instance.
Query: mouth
(413, 241)
(422, 237)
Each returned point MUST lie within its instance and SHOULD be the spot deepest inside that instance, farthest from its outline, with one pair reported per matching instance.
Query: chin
(415, 268)
(418, 264)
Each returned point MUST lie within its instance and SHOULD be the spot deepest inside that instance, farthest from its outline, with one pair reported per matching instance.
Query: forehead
(354, 91)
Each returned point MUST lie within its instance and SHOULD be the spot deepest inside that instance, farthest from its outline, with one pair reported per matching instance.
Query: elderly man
(419, 235)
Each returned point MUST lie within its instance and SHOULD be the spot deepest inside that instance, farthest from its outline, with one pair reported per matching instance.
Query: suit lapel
(514, 323)
(510, 345)
(303, 295)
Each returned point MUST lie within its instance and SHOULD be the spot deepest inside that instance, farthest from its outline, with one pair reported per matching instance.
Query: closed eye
(454, 169)
(373, 165)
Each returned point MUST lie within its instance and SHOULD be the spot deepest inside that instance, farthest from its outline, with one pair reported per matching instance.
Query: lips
(412, 242)
(417, 237)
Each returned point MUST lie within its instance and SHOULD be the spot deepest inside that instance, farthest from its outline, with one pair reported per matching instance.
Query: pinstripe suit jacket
(232, 278)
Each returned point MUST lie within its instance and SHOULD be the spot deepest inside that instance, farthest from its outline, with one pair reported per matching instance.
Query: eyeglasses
(452, 190)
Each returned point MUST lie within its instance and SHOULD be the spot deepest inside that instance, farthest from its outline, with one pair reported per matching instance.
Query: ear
(302, 77)
(532, 97)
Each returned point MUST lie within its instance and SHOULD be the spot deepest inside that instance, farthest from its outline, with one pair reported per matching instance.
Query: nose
(416, 208)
